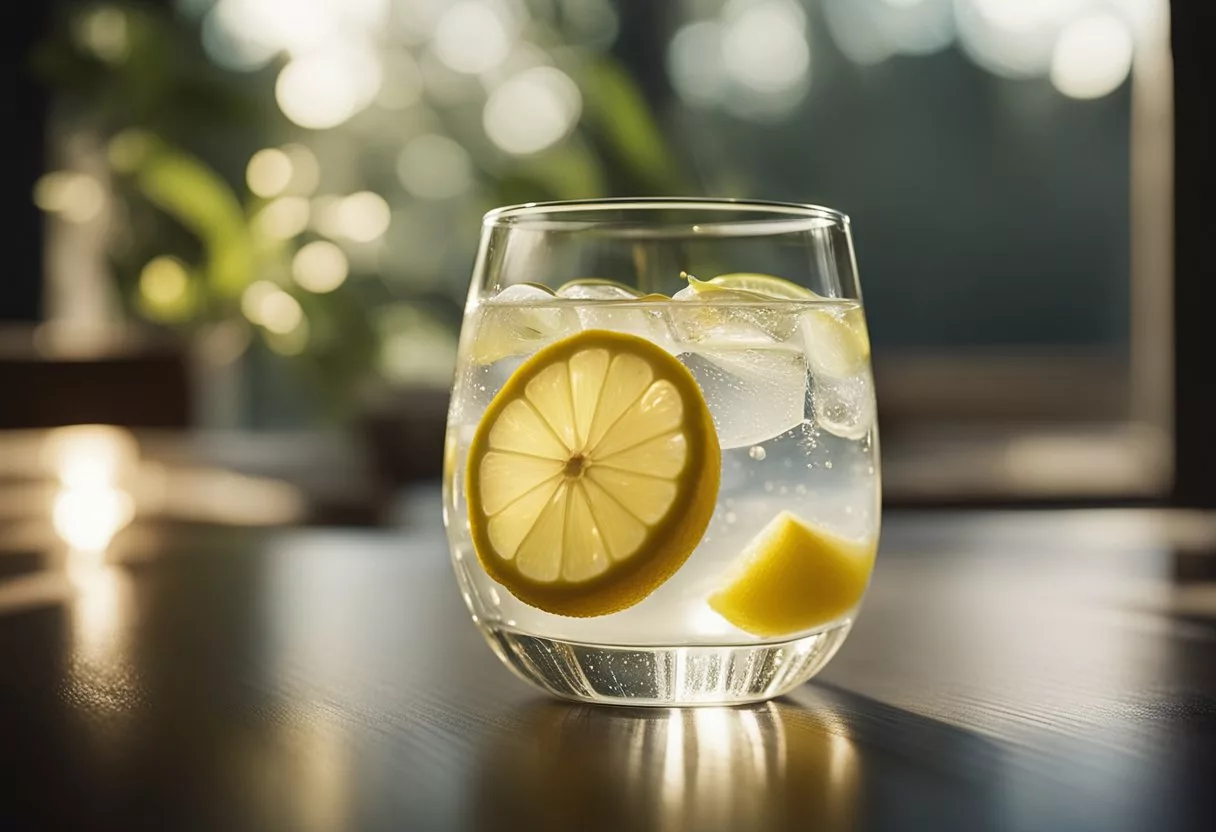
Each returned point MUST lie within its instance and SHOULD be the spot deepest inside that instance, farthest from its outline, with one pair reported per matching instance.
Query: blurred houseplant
(298, 182)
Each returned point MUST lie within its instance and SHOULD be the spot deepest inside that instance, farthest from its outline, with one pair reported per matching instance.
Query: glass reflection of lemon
(768, 767)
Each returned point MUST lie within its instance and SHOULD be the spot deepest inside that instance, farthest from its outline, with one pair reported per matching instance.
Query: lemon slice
(837, 340)
(793, 577)
(592, 475)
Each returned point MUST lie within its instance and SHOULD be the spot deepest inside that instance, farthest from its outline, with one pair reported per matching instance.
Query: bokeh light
(90, 462)
(871, 31)
(245, 34)
(326, 87)
(103, 31)
(164, 287)
(319, 267)
(417, 20)
(360, 217)
(292, 342)
(401, 86)
(76, 197)
(269, 172)
(473, 36)
(88, 519)
(432, 166)
(764, 44)
(282, 218)
(253, 297)
(1013, 38)
(90, 456)
(128, 150)
(269, 306)
(305, 169)
(531, 111)
(229, 40)
(752, 61)
(694, 62)
(1092, 57)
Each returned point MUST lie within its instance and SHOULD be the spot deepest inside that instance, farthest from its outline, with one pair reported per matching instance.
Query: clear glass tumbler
(661, 479)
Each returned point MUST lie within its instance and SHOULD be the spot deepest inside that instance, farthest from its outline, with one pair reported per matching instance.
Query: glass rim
(772, 216)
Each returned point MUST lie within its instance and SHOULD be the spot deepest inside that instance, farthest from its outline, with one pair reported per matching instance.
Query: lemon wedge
(592, 475)
(793, 577)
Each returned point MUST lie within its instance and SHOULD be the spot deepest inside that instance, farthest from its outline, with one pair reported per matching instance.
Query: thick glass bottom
(666, 676)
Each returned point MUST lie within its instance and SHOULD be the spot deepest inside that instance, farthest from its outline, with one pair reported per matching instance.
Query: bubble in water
(756, 452)
(768, 486)
(828, 464)
(731, 517)
(800, 490)
(783, 490)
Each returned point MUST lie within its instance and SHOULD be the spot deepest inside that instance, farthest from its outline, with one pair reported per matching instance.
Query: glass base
(666, 676)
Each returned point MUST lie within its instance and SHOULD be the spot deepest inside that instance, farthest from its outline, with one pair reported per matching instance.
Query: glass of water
(661, 479)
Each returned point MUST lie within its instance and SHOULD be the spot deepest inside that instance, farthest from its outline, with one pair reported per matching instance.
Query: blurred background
(243, 229)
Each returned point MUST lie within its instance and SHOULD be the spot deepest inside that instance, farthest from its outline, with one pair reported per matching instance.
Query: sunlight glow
(88, 518)
(90, 461)
(1093, 57)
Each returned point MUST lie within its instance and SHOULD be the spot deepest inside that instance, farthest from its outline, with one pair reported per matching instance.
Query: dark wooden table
(1030, 671)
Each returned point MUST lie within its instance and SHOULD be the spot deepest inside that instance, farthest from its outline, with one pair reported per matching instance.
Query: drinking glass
(661, 479)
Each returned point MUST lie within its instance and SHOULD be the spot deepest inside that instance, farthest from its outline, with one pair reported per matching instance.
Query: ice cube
(605, 311)
(753, 394)
(592, 290)
(844, 405)
(714, 321)
(836, 340)
(519, 320)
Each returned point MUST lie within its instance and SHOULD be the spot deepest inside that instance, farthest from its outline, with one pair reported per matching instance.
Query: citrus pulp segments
(592, 475)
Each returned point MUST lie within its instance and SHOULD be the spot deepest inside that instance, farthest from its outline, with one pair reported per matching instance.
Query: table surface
(1028, 670)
